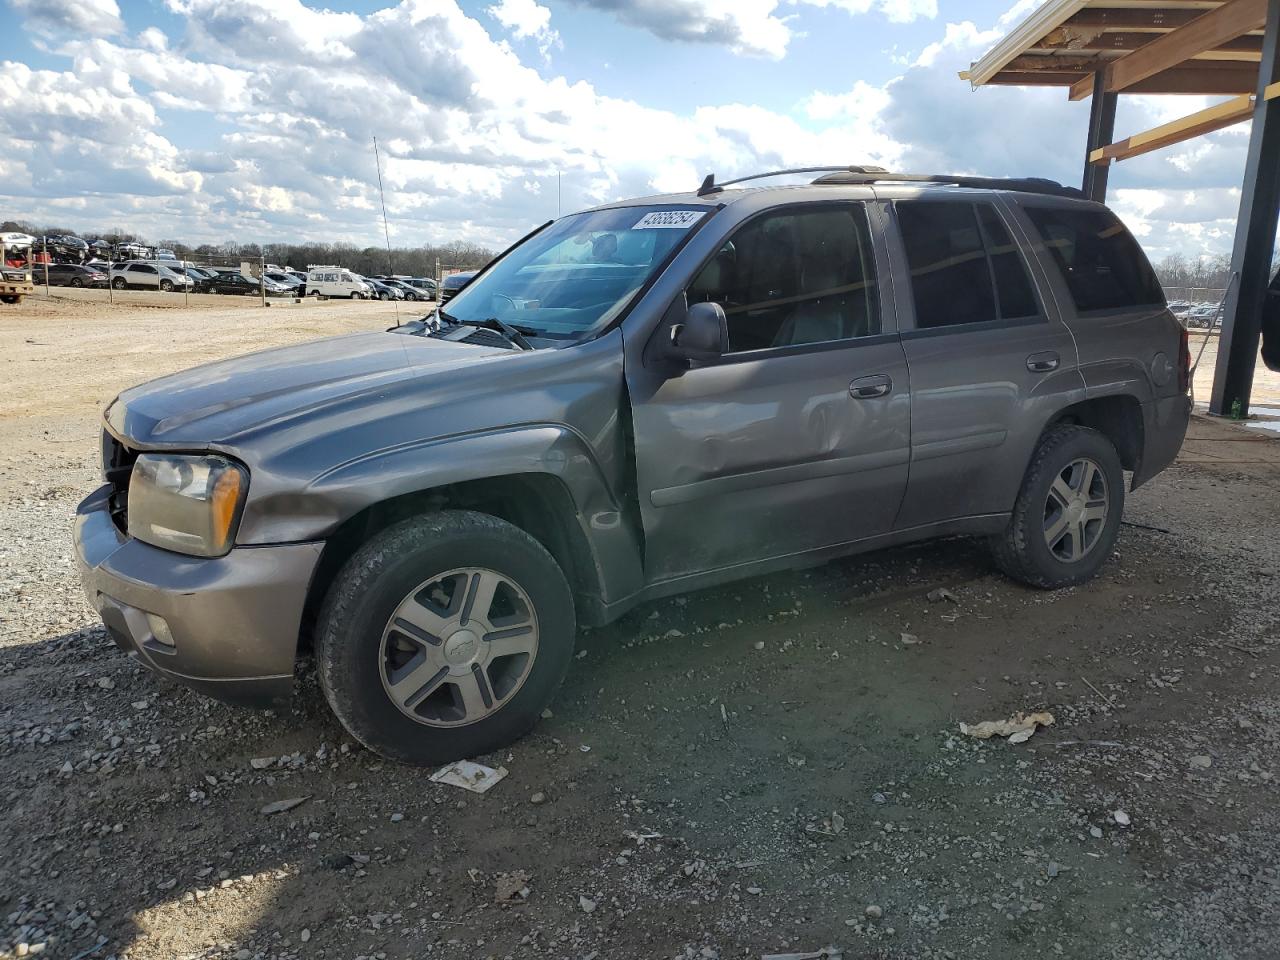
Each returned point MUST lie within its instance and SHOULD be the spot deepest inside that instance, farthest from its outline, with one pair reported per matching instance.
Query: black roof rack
(866, 175)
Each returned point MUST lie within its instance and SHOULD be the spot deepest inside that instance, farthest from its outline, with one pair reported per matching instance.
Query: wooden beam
(1170, 50)
(1271, 91)
(1102, 41)
(1132, 18)
(1197, 124)
(1204, 77)
(1041, 78)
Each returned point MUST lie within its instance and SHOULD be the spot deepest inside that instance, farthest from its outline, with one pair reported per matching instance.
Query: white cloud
(526, 19)
(754, 27)
(473, 135)
(95, 18)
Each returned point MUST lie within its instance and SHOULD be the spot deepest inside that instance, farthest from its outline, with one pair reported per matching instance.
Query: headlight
(190, 504)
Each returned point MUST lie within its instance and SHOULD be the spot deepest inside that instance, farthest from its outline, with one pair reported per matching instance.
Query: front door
(989, 362)
(796, 439)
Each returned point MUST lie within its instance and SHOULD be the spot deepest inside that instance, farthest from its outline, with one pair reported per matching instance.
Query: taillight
(1184, 360)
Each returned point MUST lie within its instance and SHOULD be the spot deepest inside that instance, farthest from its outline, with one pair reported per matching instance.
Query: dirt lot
(762, 768)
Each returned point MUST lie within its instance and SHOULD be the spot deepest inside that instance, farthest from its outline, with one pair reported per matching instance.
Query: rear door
(797, 438)
(990, 359)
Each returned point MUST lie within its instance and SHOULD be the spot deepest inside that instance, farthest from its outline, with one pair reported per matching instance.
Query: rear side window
(965, 267)
(1103, 265)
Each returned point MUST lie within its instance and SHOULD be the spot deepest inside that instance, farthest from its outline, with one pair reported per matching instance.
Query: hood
(217, 403)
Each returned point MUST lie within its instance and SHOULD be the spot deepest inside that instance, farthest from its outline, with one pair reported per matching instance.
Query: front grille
(117, 468)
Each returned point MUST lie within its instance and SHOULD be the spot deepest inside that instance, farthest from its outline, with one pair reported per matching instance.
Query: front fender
(316, 510)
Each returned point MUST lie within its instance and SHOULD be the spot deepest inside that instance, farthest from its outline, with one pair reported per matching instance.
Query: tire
(10, 298)
(384, 296)
(1024, 551)
(77, 282)
(119, 283)
(411, 297)
(166, 286)
(360, 649)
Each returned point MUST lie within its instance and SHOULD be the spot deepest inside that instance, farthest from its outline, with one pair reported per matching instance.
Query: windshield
(578, 274)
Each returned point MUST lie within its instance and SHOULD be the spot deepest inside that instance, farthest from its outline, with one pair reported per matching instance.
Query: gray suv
(639, 400)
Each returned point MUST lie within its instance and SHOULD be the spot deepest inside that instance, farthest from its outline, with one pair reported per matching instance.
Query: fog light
(160, 630)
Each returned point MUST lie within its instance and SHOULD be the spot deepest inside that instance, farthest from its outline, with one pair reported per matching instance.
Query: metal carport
(1103, 48)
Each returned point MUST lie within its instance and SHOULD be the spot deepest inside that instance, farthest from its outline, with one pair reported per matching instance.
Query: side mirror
(704, 334)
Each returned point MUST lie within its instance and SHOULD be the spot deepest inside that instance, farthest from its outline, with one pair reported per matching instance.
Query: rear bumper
(1164, 426)
(234, 620)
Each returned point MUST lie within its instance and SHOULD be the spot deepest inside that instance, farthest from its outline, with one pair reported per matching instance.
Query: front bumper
(11, 288)
(234, 620)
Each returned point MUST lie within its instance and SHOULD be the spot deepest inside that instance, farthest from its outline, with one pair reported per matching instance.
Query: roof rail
(709, 185)
(867, 175)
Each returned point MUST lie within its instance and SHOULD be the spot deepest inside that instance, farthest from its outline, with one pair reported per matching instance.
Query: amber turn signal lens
(224, 503)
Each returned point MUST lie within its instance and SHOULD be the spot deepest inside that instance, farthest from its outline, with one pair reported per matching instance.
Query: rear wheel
(384, 296)
(118, 283)
(1068, 512)
(77, 282)
(444, 637)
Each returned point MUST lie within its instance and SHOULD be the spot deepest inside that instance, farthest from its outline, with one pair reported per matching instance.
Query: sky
(253, 120)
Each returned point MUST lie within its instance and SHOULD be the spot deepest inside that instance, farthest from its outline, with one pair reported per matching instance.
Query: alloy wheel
(458, 647)
(1075, 512)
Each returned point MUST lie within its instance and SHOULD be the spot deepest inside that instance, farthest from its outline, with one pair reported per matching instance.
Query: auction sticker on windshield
(668, 220)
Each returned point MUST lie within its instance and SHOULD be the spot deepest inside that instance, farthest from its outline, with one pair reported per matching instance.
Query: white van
(335, 282)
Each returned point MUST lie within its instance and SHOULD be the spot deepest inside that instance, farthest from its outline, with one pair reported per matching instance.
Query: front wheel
(10, 298)
(77, 282)
(444, 637)
(166, 286)
(1068, 511)
(384, 296)
(118, 283)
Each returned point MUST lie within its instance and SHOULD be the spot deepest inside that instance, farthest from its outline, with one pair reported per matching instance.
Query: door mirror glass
(704, 334)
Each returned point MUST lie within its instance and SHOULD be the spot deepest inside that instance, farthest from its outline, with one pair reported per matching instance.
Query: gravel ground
(769, 767)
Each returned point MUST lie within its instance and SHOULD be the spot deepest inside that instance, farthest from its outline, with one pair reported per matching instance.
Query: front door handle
(868, 388)
(1043, 362)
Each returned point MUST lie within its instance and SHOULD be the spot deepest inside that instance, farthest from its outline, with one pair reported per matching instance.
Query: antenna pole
(386, 232)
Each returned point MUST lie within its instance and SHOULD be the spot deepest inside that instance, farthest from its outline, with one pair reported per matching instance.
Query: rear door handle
(868, 388)
(1043, 362)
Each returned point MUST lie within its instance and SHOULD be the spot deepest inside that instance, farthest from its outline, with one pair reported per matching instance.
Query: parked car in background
(234, 282)
(407, 290)
(152, 276)
(284, 279)
(1204, 316)
(278, 288)
(335, 282)
(451, 284)
(200, 276)
(383, 291)
(638, 400)
(71, 275)
(424, 284)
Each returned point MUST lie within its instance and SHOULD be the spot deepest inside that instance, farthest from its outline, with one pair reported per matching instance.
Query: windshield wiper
(512, 334)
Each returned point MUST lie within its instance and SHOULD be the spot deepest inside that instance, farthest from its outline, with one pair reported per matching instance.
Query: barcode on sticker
(668, 220)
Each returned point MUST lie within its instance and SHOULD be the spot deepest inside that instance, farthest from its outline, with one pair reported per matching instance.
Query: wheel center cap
(1076, 509)
(462, 646)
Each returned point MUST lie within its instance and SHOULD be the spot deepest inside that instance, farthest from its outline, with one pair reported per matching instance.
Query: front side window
(576, 275)
(143, 268)
(795, 277)
(1101, 262)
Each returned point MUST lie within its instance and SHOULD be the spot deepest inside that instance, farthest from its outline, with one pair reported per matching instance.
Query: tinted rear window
(1103, 265)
